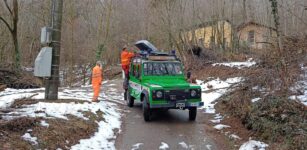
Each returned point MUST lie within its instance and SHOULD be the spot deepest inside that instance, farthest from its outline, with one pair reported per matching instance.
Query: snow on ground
(8, 100)
(102, 139)
(253, 145)
(29, 138)
(184, 145)
(302, 87)
(214, 89)
(163, 146)
(44, 123)
(239, 65)
(8, 96)
(235, 137)
(209, 147)
(217, 118)
(221, 126)
(256, 99)
(137, 146)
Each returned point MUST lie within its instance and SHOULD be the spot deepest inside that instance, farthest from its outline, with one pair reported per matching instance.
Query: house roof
(205, 24)
(210, 23)
(243, 25)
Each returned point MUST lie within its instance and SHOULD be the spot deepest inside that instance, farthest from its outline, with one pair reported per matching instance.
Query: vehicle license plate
(180, 105)
(194, 104)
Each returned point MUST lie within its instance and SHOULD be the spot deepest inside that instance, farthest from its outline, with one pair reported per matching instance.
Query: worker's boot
(95, 99)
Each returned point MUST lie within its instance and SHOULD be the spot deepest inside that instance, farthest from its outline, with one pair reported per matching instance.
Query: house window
(251, 37)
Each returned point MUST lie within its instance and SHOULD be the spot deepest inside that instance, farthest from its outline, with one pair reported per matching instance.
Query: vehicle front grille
(177, 94)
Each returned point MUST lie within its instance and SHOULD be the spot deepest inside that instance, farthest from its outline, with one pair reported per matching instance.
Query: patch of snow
(235, 137)
(253, 145)
(221, 126)
(137, 146)
(209, 147)
(216, 121)
(184, 145)
(7, 100)
(217, 118)
(163, 146)
(214, 89)
(29, 130)
(111, 85)
(301, 86)
(239, 65)
(29, 138)
(44, 123)
(102, 138)
(256, 99)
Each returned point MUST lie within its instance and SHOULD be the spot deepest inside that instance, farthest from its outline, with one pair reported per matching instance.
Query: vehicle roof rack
(149, 52)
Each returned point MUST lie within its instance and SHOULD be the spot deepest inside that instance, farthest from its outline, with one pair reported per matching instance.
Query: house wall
(203, 35)
(262, 36)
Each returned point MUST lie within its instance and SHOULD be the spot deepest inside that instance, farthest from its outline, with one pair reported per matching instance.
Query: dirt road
(169, 130)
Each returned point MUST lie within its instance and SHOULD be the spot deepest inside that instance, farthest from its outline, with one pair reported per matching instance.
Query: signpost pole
(53, 82)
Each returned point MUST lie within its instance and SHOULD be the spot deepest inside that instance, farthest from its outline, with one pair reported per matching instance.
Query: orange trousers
(96, 89)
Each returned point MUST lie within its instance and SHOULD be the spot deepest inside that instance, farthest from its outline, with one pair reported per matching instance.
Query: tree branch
(7, 6)
(5, 22)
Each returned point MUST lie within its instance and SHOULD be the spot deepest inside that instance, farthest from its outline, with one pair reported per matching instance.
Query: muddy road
(168, 130)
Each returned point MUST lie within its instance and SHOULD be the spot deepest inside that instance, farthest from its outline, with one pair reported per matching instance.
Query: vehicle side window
(131, 69)
(145, 69)
(136, 69)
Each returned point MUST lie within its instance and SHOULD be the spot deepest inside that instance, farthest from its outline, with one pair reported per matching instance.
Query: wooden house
(255, 35)
(210, 34)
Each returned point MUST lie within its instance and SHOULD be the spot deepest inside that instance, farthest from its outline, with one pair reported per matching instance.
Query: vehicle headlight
(193, 93)
(159, 94)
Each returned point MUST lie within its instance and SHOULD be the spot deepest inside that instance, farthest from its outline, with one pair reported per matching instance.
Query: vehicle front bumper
(172, 104)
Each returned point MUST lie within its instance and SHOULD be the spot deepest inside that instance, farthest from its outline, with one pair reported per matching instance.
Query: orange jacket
(125, 57)
(97, 75)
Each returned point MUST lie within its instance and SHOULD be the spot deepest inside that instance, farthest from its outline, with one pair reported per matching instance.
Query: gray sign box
(42, 66)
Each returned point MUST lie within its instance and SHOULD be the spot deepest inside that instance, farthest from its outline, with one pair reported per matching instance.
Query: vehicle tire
(130, 99)
(125, 95)
(192, 113)
(146, 110)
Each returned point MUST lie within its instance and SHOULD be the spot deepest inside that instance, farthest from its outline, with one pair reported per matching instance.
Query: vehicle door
(135, 75)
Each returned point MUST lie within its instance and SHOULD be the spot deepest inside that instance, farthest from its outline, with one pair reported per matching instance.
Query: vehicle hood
(168, 83)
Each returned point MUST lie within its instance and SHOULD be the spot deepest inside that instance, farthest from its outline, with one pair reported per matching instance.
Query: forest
(247, 57)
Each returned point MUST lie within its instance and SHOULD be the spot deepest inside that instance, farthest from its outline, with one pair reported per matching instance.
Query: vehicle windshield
(162, 68)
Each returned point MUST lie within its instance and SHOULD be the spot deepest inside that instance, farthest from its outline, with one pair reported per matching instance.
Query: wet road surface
(169, 129)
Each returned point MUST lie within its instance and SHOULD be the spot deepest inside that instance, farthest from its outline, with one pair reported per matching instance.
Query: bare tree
(13, 29)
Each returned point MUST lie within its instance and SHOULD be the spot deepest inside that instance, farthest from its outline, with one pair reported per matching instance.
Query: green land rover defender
(157, 80)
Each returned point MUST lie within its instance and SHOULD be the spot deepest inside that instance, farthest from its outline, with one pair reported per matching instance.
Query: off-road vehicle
(157, 80)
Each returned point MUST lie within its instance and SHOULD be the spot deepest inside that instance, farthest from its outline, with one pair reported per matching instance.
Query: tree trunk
(244, 11)
(16, 51)
(13, 30)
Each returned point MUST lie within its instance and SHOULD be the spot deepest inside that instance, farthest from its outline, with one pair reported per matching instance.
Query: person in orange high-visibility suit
(125, 60)
(96, 80)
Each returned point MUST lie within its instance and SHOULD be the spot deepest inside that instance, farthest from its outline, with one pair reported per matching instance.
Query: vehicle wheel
(192, 113)
(146, 110)
(125, 95)
(130, 99)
